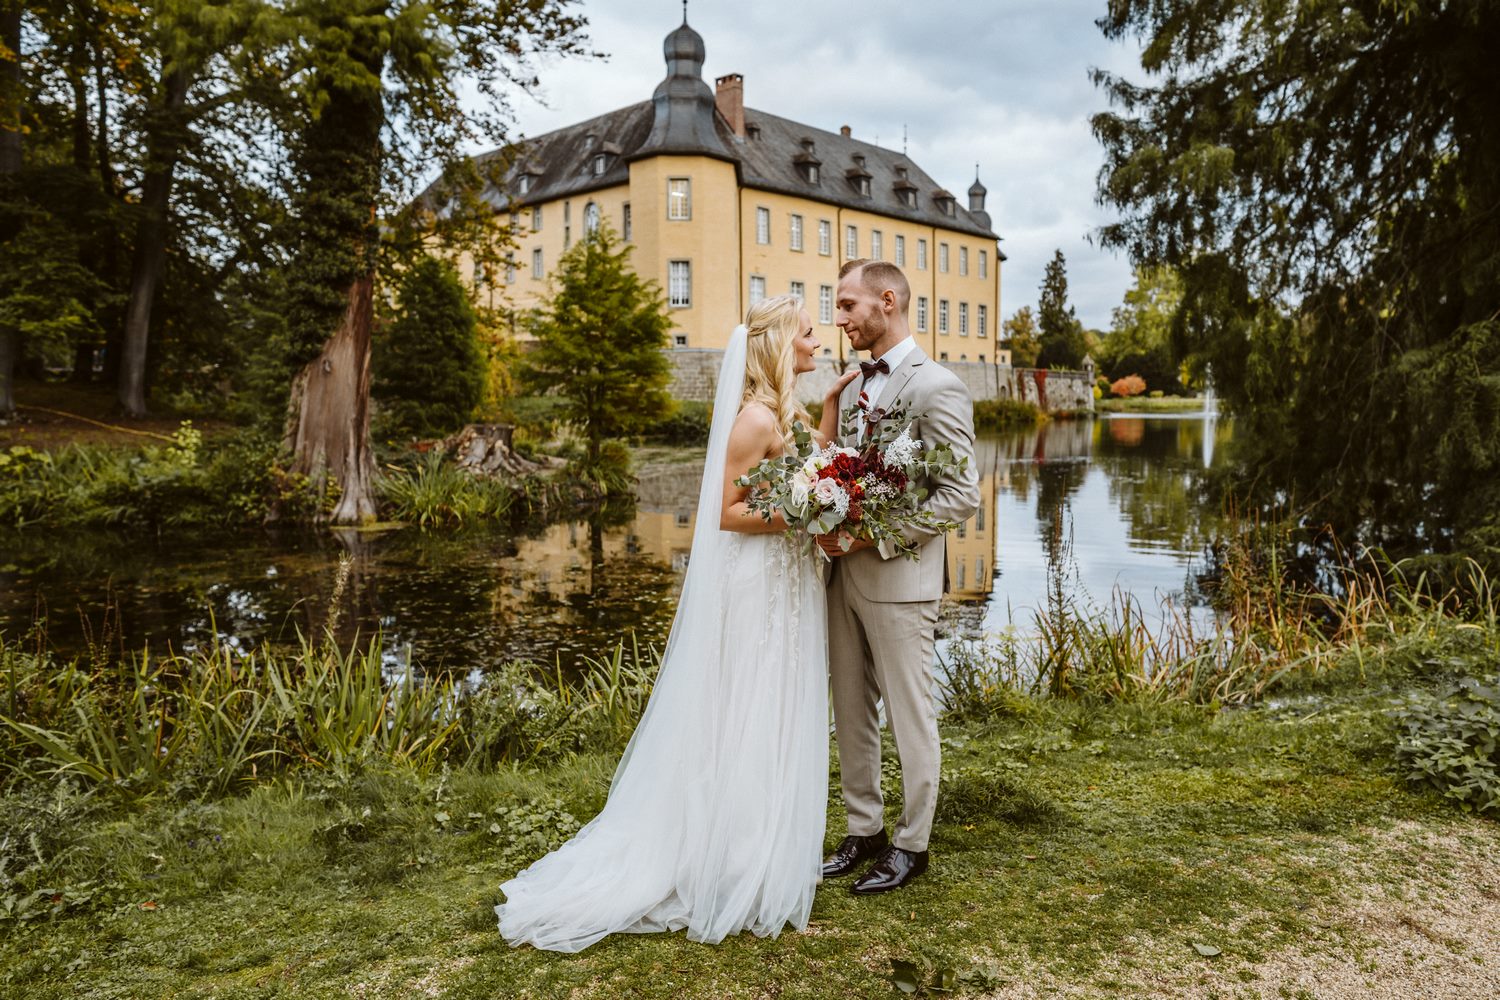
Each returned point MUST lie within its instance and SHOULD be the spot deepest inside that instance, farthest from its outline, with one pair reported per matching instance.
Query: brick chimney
(729, 96)
(844, 131)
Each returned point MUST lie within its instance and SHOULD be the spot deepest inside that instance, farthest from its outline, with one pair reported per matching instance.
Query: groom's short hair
(877, 276)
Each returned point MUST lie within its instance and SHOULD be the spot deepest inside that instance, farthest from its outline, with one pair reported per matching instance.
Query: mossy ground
(1078, 850)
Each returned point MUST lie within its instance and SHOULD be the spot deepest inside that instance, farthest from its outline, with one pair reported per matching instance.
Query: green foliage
(1450, 741)
(1005, 414)
(686, 425)
(429, 369)
(1323, 178)
(218, 719)
(1140, 338)
(182, 483)
(977, 794)
(601, 334)
(1023, 338)
(1063, 340)
(436, 493)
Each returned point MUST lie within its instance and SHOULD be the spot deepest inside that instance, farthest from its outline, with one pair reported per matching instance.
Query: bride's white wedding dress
(714, 821)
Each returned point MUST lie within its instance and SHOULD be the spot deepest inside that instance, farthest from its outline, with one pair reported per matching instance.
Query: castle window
(922, 313)
(825, 304)
(900, 251)
(679, 340)
(680, 286)
(963, 261)
(877, 245)
(983, 323)
(921, 255)
(757, 289)
(963, 319)
(679, 199)
(599, 162)
(984, 267)
(825, 237)
(851, 242)
(625, 227)
(943, 258)
(523, 184)
(510, 268)
(536, 218)
(763, 225)
(590, 219)
(537, 270)
(799, 290)
(943, 316)
(796, 234)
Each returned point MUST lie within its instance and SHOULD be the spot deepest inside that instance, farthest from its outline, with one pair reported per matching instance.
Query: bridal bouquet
(871, 492)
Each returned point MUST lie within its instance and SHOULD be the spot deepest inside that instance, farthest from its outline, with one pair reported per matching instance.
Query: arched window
(590, 218)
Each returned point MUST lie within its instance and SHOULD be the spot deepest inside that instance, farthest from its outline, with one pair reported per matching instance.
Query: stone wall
(695, 375)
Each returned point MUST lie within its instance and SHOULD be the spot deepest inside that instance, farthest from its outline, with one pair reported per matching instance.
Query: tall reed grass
(1269, 633)
(216, 719)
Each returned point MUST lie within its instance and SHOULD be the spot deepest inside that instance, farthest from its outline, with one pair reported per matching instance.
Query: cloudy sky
(1000, 83)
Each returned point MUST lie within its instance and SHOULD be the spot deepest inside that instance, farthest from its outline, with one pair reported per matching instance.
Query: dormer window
(808, 163)
(946, 203)
(859, 177)
(752, 131)
(523, 184)
(599, 163)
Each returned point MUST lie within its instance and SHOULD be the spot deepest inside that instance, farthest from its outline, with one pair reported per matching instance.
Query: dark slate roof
(561, 165)
(561, 162)
(769, 162)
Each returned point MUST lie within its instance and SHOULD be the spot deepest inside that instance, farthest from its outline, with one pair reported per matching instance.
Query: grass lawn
(1145, 404)
(1079, 852)
(54, 414)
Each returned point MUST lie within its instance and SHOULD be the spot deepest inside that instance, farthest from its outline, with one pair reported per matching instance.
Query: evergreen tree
(1020, 334)
(1325, 177)
(429, 369)
(601, 338)
(1061, 335)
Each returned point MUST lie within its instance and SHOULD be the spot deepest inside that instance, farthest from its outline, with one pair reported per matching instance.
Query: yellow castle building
(725, 205)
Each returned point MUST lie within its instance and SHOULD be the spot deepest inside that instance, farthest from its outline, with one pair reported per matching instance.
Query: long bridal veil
(714, 820)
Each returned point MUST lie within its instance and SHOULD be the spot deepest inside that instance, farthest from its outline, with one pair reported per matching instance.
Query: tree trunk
(151, 243)
(328, 415)
(10, 165)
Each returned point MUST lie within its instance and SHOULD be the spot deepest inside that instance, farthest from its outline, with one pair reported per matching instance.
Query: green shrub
(1450, 742)
(686, 425)
(1005, 414)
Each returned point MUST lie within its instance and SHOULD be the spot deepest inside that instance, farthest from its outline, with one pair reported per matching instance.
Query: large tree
(374, 72)
(430, 371)
(601, 338)
(1063, 344)
(1020, 333)
(1326, 179)
(12, 96)
(1140, 335)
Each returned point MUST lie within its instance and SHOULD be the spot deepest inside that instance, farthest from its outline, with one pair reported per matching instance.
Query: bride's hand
(832, 399)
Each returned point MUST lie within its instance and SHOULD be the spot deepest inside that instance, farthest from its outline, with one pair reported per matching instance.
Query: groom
(882, 612)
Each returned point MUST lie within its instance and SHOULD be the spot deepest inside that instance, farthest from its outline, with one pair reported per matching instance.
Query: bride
(714, 821)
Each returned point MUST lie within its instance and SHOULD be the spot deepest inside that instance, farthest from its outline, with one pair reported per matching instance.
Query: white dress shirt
(876, 383)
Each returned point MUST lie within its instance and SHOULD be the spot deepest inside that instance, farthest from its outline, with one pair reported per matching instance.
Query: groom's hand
(831, 545)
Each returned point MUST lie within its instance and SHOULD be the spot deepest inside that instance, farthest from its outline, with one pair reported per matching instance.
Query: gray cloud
(1001, 84)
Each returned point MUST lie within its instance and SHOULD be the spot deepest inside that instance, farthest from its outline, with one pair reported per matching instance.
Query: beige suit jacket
(941, 412)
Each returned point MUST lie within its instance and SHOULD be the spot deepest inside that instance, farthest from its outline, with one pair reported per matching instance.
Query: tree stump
(485, 450)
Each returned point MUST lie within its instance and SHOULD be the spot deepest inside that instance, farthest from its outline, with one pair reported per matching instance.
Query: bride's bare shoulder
(757, 417)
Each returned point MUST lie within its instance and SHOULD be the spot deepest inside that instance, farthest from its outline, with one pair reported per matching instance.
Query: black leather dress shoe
(851, 851)
(893, 869)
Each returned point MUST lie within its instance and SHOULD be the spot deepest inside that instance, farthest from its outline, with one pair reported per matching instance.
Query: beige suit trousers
(884, 650)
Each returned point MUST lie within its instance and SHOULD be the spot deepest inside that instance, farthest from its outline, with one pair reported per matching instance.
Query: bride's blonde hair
(771, 327)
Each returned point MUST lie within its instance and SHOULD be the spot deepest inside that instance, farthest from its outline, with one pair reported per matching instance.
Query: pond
(1112, 502)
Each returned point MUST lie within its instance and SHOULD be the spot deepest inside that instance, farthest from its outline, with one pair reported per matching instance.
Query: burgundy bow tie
(871, 367)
